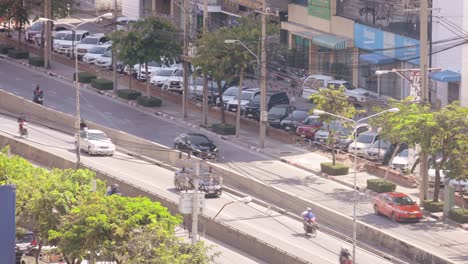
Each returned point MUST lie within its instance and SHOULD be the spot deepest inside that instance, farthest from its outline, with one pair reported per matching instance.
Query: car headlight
(215, 150)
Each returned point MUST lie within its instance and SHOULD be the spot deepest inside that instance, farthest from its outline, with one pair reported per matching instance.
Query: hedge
(380, 185)
(459, 215)
(433, 207)
(84, 77)
(102, 84)
(128, 94)
(224, 129)
(149, 101)
(337, 169)
(5, 48)
(36, 61)
(18, 54)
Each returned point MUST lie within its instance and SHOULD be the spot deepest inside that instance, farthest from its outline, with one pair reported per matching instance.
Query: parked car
(24, 241)
(196, 144)
(377, 150)
(401, 161)
(293, 120)
(397, 206)
(89, 42)
(229, 94)
(95, 53)
(278, 113)
(95, 142)
(357, 95)
(105, 60)
(363, 142)
(196, 89)
(59, 37)
(175, 82)
(65, 45)
(309, 126)
(35, 28)
(161, 76)
(252, 108)
(153, 67)
(124, 22)
(246, 96)
(343, 135)
(312, 83)
(48, 255)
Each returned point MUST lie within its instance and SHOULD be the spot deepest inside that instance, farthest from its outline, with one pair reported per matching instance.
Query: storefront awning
(376, 59)
(445, 76)
(330, 41)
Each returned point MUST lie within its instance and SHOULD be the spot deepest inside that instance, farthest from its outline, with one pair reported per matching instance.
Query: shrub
(5, 48)
(459, 215)
(224, 129)
(149, 101)
(337, 169)
(380, 185)
(102, 84)
(433, 207)
(128, 94)
(36, 61)
(84, 77)
(18, 54)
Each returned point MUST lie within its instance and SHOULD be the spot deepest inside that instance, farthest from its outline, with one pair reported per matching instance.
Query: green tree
(334, 102)
(127, 51)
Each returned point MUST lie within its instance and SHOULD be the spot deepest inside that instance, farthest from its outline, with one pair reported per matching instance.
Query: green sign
(319, 8)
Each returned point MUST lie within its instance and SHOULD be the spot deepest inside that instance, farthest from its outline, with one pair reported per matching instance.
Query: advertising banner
(319, 8)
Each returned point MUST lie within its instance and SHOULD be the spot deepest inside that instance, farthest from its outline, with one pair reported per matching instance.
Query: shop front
(446, 85)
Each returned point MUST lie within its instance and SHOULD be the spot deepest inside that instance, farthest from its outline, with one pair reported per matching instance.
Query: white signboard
(186, 203)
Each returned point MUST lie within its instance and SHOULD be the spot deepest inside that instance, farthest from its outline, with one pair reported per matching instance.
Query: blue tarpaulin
(445, 76)
(377, 59)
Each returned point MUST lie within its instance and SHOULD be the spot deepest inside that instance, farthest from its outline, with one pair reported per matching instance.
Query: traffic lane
(272, 227)
(60, 95)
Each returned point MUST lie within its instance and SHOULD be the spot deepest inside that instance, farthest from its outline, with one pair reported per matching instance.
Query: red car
(308, 127)
(397, 206)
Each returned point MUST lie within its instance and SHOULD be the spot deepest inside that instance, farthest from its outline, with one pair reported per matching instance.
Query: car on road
(343, 134)
(278, 113)
(246, 96)
(363, 142)
(89, 42)
(196, 144)
(397, 206)
(293, 120)
(309, 126)
(65, 45)
(252, 108)
(96, 142)
(377, 150)
(161, 76)
(95, 53)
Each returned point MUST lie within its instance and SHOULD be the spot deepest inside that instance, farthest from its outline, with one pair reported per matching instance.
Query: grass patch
(433, 207)
(459, 215)
(380, 185)
(102, 84)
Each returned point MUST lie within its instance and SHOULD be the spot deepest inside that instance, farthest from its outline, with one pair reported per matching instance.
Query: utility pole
(114, 53)
(48, 34)
(205, 79)
(78, 115)
(239, 94)
(424, 71)
(195, 204)
(263, 77)
(186, 57)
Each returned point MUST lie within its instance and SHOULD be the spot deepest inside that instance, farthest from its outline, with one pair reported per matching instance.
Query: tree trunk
(38, 252)
(331, 143)
(220, 95)
(131, 77)
(147, 80)
(395, 152)
(436, 185)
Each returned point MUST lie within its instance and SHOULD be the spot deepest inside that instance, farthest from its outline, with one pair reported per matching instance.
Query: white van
(312, 83)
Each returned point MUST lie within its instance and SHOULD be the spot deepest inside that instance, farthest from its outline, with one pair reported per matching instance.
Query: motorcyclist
(83, 125)
(114, 189)
(38, 94)
(309, 218)
(21, 121)
(345, 256)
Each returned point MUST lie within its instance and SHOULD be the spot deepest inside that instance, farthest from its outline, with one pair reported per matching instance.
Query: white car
(65, 45)
(153, 67)
(229, 94)
(354, 94)
(343, 135)
(312, 83)
(246, 96)
(59, 38)
(363, 142)
(96, 142)
(105, 60)
(96, 53)
(123, 22)
(401, 161)
(89, 42)
(377, 150)
(160, 77)
(175, 81)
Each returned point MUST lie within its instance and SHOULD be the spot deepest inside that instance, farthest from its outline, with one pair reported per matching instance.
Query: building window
(300, 2)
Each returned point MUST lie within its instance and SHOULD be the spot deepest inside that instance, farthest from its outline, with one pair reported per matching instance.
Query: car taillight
(33, 243)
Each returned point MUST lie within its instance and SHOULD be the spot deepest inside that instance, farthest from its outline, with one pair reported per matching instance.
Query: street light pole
(355, 192)
(195, 205)
(263, 77)
(205, 79)
(244, 200)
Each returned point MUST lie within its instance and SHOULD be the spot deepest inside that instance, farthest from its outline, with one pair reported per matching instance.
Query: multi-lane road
(276, 229)
(434, 236)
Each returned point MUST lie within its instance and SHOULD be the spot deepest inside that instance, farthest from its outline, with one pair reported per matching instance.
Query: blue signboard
(7, 224)
(386, 43)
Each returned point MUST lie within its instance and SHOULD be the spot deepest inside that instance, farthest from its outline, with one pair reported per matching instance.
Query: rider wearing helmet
(308, 215)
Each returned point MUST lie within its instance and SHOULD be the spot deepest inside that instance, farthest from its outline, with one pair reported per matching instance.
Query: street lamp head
(380, 72)
(245, 200)
(318, 112)
(230, 41)
(107, 15)
(393, 110)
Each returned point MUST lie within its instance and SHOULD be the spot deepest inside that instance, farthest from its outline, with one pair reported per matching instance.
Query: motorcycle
(310, 226)
(23, 129)
(38, 100)
(345, 257)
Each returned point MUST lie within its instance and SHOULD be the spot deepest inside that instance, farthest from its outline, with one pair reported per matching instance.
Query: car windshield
(199, 139)
(60, 35)
(164, 73)
(232, 91)
(245, 95)
(179, 73)
(26, 238)
(97, 136)
(98, 50)
(154, 64)
(277, 111)
(404, 200)
(365, 138)
(69, 37)
(256, 98)
(404, 153)
(298, 115)
(312, 121)
(36, 26)
(88, 40)
(108, 54)
(381, 144)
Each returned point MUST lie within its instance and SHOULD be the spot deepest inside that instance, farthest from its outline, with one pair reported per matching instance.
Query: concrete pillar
(355, 67)
(449, 196)
(313, 56)
(290, 40)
